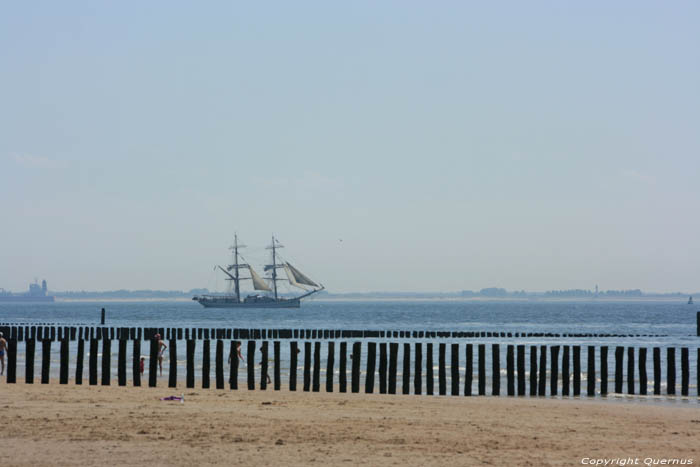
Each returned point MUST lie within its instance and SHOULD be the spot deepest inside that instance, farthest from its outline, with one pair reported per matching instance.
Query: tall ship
(36, 293)
(269, 297)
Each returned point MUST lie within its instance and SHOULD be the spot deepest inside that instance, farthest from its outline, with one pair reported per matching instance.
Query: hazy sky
(427, 146)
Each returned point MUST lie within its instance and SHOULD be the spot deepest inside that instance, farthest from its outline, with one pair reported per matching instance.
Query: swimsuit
(2, 353)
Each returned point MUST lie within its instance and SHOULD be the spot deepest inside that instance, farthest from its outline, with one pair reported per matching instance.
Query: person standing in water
(161, 349)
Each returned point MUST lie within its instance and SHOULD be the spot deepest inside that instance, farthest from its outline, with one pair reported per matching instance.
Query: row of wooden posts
(73, 333)
(387, 368)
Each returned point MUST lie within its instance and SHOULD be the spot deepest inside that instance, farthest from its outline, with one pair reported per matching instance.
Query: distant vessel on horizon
(690, 300)
(267, 284)
(36, 293)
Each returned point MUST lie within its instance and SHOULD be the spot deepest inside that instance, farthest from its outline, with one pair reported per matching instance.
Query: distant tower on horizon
(596, 290)
(43, 287)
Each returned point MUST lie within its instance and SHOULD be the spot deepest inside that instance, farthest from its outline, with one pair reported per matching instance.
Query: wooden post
(12, 361)
(657, 370)
(121, 363)
(533, 370)
(393, 363)
(251, 365)
(418, 366)
(604, 370)
(521, 369)
(406, 368)
(577, 370)
(330, 363)
(554, 371)
(591, 371)
(685, 373)
(307, 366)
(619, 355)
(495, 369)
(469, 370)
(671, 371)
(510, 369)
(317, 367)
(45, 360)
(429, 383)
(135, 362)
(565, 376)
(93, 362)
(630, 370)
(278, 377)
(263, 366)
(172, 372)
(233, 366)
(63, 376)
(79, 362)
(206, 363)
(342, 370)
(482, 369)
(219, 364)
(30, 347)
(382, 368)
(293, 355)
(371, 364)
(153, 363)
(356, 358)
(189, 370)
(542, 382)
(454, 369)
(643, 371)
(442, 375)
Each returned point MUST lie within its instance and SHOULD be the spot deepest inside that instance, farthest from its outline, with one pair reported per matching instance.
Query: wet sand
(98, 425)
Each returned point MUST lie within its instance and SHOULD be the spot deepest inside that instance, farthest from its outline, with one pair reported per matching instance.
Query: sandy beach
(83, 425)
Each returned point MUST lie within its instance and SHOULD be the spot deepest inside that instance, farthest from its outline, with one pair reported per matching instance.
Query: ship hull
(229, 303)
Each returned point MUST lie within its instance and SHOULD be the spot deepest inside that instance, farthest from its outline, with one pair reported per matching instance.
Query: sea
(672, 324)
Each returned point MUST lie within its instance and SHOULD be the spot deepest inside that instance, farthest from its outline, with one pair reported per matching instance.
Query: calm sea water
(675, 321)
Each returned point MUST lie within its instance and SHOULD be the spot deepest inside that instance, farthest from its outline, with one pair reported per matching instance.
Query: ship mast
(236, 276)
(274, 264)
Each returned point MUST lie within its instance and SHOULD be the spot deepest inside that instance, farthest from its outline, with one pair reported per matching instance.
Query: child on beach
(143, 360)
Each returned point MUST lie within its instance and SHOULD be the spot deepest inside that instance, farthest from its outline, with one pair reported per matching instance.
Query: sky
(395, 145)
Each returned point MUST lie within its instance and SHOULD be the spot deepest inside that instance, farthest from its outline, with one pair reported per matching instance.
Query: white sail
(258, 283)
(299, 277)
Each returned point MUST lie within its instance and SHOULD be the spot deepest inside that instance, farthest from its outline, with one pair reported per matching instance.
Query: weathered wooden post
(63, 369)
(12, 360)
(172, 372)
(521, 370)
(206, 363)
(657, 370)
(542, 382)
(307, 366)
(533, 370)
(577, 370)
(79, 362)
(590, 372)
(429, 384)
(382, 368)
(233, 366)
(102, 317)
(510, 370)
(219, 364)
(442, 375)
(406, 368)
(554, 371)
(630, 370)
(317, 367)
(685, 376)
(153, 363)
(330, 363)
(371, 365)
(30, 347)
(454, 369)
(121, 363)
(619, 355)
(278, 377)
(418, 377)
(393, 363)
(343, 370)
(671, 370)
(93, 362)
(45, 360)
(135, 362)
(643, 371)
(356, 358)
(604, 370)
(565, 375)
(251, 365)
(293, 354)
(469, 370)
(482, 369)
(189, 369)
(495, 369)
